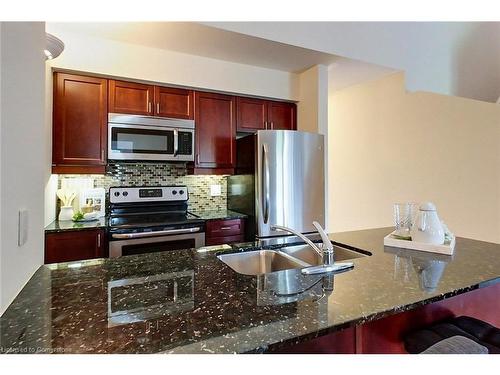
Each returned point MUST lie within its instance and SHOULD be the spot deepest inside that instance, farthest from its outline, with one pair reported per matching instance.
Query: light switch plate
(215, 190)
(22, 228)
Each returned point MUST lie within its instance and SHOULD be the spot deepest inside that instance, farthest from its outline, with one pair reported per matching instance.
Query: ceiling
(201, 40)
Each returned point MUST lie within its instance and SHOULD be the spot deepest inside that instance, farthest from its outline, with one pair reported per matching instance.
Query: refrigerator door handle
(265, 185)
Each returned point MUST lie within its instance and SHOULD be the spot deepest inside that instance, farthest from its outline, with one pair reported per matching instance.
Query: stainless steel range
(151, 219)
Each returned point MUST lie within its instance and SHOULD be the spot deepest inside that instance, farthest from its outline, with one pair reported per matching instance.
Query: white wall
(387, 146)
(22, 152)
(453, 58)
(1, 179)
(312, 110)
(108, 57)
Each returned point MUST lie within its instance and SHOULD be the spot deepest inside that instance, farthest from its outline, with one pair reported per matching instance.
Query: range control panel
(148, 194)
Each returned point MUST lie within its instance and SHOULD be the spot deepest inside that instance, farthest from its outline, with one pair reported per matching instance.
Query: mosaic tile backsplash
(152, 174)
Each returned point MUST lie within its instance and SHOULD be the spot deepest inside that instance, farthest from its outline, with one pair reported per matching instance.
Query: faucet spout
(300, 235)
(328, 251)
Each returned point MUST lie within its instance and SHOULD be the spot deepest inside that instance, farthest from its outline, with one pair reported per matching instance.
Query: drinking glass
(404, 215)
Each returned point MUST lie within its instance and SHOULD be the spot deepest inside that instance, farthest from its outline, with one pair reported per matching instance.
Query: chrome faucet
(326, 252)
(300, 235)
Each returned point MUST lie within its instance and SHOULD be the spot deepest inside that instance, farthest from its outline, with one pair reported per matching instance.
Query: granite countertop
(62, 226)
(126, 305)
(218, 214)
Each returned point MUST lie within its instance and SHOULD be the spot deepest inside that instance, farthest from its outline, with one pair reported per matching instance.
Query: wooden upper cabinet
(251, 114)
(79, 124)
(215, 118)
(259, 114)
(131, 98)
(174, 102)
(282, 115)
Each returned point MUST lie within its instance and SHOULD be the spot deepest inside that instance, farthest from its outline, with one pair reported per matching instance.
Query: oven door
(151, 242)
(151, 143)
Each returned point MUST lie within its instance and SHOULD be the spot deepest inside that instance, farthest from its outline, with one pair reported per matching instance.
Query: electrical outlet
(215, 190)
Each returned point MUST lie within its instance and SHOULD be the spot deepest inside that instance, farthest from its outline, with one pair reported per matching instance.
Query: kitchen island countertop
(190, 302)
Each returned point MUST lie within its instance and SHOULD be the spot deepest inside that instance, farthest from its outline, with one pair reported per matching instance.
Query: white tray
(447, 248)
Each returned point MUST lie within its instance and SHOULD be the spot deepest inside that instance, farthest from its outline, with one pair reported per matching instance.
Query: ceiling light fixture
(53, 47)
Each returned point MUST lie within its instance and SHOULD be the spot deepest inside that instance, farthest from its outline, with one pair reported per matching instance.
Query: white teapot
(427, 227)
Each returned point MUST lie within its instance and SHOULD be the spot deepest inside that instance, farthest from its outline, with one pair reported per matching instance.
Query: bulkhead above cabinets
(82, 103)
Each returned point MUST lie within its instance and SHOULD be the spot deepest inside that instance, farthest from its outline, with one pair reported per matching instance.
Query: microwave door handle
(176, 142)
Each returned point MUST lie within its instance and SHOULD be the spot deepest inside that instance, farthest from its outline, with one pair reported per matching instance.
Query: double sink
(260, 262)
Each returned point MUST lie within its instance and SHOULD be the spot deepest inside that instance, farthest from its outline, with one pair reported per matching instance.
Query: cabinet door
(74, 245)
(131, 98)
(173, 102)
(251, 114)
(215, 131)
(79, 124)
(281, 115)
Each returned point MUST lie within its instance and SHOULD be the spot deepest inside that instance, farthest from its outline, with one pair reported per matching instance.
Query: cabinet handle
(98, 240)
(272, 125)
(225, 228)
(149, 107)
(157, 108)
(265, 124)
(197, 159)
(102, 154)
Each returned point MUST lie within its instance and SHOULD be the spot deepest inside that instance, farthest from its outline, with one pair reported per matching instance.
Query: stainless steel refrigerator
(279, 180)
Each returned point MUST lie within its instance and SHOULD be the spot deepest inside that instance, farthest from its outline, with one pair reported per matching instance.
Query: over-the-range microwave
(146, 138)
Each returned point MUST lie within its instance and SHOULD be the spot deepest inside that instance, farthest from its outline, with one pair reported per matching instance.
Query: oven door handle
(154, 234)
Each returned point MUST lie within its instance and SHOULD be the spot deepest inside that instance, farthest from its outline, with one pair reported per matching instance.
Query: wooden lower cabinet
(75, 245)
(219, 232)
(386, 335)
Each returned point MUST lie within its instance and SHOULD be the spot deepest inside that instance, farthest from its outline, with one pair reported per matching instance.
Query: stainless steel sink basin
(308, 255)
(261, 262)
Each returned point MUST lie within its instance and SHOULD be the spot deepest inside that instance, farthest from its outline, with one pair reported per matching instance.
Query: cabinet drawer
(224, 240)
(224, 228)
